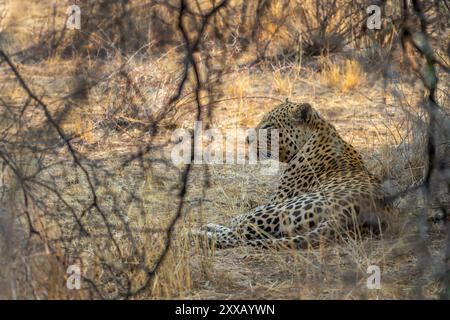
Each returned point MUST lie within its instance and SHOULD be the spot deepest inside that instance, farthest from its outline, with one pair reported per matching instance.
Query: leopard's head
(294, 124)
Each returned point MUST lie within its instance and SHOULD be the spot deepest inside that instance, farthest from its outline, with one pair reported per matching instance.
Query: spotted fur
(324, 190)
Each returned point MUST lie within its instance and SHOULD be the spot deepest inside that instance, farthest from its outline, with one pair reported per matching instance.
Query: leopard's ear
(302, 112)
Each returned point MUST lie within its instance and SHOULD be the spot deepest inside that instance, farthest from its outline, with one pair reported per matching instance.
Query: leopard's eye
(265, 126)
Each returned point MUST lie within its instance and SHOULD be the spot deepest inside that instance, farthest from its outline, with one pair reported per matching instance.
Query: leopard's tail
(227, 238)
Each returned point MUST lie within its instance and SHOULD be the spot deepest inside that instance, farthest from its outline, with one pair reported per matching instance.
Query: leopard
(325, 190)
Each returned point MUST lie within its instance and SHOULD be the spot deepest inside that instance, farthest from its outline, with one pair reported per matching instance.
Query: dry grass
(342, 77)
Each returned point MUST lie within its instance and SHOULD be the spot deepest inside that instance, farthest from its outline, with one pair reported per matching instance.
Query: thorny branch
(437, 163)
